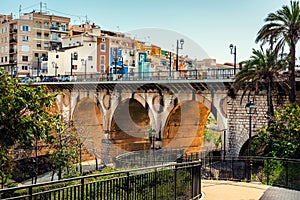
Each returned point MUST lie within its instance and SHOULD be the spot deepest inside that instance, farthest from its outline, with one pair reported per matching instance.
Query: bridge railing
(203, 74)
(175, 181)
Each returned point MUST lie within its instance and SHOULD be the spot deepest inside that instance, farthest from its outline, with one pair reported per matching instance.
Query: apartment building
(25, 41)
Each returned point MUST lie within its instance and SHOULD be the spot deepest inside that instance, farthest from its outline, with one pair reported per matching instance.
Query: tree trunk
(292, 96)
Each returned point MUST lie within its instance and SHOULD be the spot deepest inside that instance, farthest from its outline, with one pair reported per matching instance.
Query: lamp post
(39, 66)
(153, 143)
(84, 63)
(54, 64)
(74, 56)
(115, 61)
(12, 67)
(233, 51)
(177, 48)
(250, 108)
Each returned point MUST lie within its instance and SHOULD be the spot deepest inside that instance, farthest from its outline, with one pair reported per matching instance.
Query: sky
(208, 27)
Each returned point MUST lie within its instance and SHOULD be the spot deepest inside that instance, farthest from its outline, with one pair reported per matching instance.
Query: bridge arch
(129, 126)
(88, 122)
(184, 127)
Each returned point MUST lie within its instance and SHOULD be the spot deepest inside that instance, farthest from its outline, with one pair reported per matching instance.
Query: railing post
(30, 192)
(267, 173)
(175, 182)
(127, 186)
(155, 183)
(196, 180)
(82, 189)
(286, 172)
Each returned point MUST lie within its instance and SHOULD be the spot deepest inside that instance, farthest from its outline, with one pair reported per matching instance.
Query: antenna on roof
(41, 7)
(20, 8)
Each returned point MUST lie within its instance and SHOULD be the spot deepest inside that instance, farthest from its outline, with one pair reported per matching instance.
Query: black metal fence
(175, 181)
(271, 171)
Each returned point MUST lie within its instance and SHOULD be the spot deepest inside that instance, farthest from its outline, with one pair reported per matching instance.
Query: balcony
(13, 51)
(13, 40)
(59, 29)
(13, 30)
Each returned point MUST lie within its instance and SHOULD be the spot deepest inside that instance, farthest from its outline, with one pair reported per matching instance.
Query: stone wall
(239, 120)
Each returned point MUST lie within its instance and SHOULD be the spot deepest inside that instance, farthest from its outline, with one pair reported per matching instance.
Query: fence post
(267, 172)
(175, 182)
(127, 183)
(286, 172)
(196, 180)
(82, 189)
(30, 192)
(155, 182)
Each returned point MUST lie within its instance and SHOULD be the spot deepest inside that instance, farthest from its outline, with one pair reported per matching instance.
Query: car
(27, 80)
(65, 78)
(50, 79)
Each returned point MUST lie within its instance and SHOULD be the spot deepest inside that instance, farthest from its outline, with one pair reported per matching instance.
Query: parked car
(65, 78)
(27, 80)
(50, 79)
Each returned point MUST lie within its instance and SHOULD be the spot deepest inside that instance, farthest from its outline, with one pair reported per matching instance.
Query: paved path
(219, 190)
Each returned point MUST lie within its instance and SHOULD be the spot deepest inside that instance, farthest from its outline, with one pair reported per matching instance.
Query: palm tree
(283, 27)
(261, 72)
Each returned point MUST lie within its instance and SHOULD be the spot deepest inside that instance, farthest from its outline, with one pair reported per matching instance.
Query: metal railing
(160, 75)
(281, 172)
(205, 74)
(175, 181)
(148, 158)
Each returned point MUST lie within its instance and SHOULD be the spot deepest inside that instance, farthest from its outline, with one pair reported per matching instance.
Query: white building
(80, 51)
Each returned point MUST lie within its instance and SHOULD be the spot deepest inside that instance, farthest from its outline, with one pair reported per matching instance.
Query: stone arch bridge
(116, 117)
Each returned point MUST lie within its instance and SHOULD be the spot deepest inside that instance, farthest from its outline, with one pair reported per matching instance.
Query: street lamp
(13, 67)
(177, 48)
(74, 56)
(54, 64)
(39, 65)
(250, 109)
(233, 51)
(84, 63)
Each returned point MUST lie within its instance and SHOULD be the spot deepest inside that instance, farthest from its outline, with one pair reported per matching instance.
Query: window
(38, 23)
(5, 59)
(46, 45)
(90, 58)
(39, 34)
(24, 38)
(24, 67)
(46, 24)
(63, 27)
(38, 44)
(2, 59)
(102, 68)
(25, 48)
(36, 55)
(102, 47)
(25, 58)
(25, 28)
(102, 60)
(57, 56)
(46, 35)
(74, 67)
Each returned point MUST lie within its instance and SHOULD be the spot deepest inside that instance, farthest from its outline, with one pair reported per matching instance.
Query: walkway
(219, 190)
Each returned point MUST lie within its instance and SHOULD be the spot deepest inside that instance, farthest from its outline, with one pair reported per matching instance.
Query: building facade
(25, 41)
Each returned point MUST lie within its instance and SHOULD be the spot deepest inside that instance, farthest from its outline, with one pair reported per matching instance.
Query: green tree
(283, 27)
(26, 114)
(282, 137)
(261, 72)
